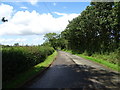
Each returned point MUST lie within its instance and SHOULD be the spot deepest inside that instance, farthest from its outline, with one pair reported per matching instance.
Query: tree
(51, 38)
(16, 44)
(116, 25)
(55, 40)
(97, 29)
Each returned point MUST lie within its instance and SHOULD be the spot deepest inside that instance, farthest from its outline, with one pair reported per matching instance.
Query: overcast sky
(28, 22)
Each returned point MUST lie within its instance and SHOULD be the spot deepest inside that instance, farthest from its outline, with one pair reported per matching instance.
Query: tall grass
(16, 60)
(113, 57)
(111, 60)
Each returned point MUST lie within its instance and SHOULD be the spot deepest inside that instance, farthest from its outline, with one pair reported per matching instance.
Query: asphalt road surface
(71, 71)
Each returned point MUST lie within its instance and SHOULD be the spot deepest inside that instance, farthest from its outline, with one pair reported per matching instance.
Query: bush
(115, 57)
(112, 57)
(19, 59)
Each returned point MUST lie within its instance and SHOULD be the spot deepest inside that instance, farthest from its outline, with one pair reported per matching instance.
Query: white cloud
(24, 7)
(63, 14)
(33, 2)
(54, 4)
(7, 41)
(23, 40)
(31, 23)
(38, 39)
(5, 11)
(25, 23)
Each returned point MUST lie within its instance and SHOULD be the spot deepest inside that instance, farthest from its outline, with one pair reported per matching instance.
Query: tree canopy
(55, 40)
(96, 29)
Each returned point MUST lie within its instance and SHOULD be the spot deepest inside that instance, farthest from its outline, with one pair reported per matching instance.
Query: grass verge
(100, 61)
(23, 77)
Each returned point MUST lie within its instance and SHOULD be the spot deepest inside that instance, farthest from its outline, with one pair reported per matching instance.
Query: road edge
(107, 68)
(36, 75)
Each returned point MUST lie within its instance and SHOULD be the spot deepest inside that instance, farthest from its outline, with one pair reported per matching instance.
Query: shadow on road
(74, 76)
(87, 77)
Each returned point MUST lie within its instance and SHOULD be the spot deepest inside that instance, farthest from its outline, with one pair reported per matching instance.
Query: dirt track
(71, 71)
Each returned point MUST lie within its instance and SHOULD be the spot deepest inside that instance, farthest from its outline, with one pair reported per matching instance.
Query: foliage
(113, 57)
(16, 44)
(97, 58)
(97, 29)
(96, 32)
(19, 59)
(50, 36)
(23, 77)
(55, 40)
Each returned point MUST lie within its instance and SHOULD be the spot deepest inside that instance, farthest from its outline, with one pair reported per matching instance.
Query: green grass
(112, 66)
(21, 78)
(105, 63)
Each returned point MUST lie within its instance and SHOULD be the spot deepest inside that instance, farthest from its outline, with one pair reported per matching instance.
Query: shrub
(19, 59)
(112, 57)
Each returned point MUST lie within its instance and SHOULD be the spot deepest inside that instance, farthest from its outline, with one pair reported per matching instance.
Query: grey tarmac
(71, 71)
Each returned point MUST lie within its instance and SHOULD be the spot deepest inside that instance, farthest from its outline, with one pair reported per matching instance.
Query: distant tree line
(55, 40)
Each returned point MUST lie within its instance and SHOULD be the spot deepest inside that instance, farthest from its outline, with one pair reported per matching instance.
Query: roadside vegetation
(19, 59)
(94, 33)
(102, 59)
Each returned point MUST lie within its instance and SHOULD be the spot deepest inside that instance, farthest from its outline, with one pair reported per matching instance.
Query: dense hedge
(19, 59)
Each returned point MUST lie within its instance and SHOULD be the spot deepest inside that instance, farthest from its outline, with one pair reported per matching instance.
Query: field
(18, 59)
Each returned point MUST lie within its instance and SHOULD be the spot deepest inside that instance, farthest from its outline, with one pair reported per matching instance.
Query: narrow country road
(71, 71)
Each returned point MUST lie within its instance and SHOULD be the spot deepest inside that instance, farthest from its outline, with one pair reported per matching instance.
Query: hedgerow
(16, 60)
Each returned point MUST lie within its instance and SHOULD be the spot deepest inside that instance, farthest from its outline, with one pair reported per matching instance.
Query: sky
(28, 22)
